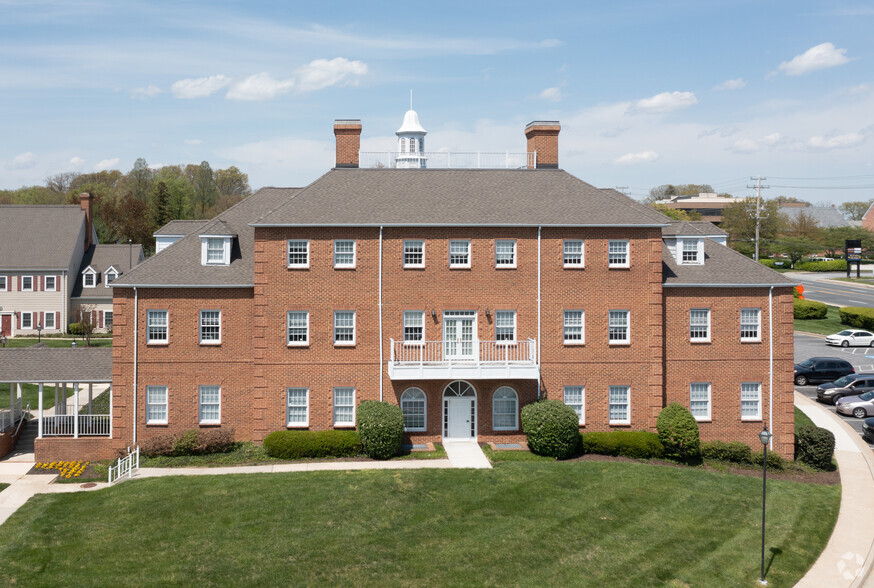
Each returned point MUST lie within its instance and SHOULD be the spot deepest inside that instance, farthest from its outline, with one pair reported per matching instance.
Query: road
(816, 287)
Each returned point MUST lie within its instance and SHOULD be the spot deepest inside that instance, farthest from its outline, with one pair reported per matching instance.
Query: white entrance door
(458, 335)
(459, 418)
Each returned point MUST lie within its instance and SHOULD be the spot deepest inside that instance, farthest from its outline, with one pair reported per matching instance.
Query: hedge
(308, 444)
(857, 316)
(552, 427)
(734, 451)
(838, 265)
(381, 428)
(809, 309)
(75, 329)
(191, 442)
(774, 459)
(815, 446)
(635, 444)
(678, 432)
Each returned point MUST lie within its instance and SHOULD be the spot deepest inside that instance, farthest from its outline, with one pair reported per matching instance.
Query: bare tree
(86, 322)
(61, 182)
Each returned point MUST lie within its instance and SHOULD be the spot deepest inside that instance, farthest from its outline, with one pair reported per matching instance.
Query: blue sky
(647, 93)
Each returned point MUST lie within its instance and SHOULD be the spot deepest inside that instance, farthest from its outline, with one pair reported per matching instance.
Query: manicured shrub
(857, 316)
(815, 446)
(552, 427)
(157, 445)
(774, 459)
(635, 444)
(75, 329)
(678, 432)
(309, 444)
(809, 309)
(381, 428)
(734, 451)
(838, 265)
(191, 442)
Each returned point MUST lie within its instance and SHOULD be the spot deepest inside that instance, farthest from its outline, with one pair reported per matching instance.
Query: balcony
(446, 160)
(463, 360)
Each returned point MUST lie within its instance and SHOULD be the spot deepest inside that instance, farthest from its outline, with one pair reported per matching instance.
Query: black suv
(868, 430)
(851, 385)
(821, 369)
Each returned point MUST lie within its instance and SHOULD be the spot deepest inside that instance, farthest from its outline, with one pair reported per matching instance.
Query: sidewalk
(848, 557)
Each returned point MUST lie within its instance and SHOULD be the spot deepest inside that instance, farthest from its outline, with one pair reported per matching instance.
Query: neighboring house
(41, 249)
(460, 295)
(101, 266)
(173, 231)
(709, 205)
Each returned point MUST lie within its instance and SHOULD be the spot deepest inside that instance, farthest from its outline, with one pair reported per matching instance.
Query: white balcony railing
(447, 160)
(89, 425)
(10, 416)
(463, 359)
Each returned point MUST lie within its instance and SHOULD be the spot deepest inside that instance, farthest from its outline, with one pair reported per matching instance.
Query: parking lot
(862, 359)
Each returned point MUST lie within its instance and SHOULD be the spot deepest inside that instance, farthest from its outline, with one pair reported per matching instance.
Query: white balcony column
(39, 422)
(57, 407)
(75, 410)
(90, 394)
(110, 410)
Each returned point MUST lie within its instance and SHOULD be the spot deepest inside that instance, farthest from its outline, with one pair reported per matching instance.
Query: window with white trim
(689, 251)
(699, 400)
(750, 324)
(26, 320)
(298, 253)
(210, 405)
(344, 253)
(298, 327)
(344, 407)
(210, 326)
(573, 253)
(414, 326)
(3, 284)
(27, 283)
(414, 405)
(575, 397)
(156, 405)
(49, 319)
(751, 401)
(156, 330)
(699, 324)
(619, 400)
(505, 409)
(50, 284)
(505, 326)
(110, 278)
(344, 327)
(505, 253)
(215, 250)
(414, 253)
(617, 253)
(297, 413)
(89, 279)
(574, 327)
(107, 319)
(459, 253)
(618, 331)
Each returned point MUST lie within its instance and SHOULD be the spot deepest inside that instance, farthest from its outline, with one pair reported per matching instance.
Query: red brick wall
(84, 448)
(348, 135)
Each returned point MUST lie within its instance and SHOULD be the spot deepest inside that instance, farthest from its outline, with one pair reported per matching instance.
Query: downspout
(771, 364)
(67, 303)
(380, 315)
(538, 310)
(136, 341)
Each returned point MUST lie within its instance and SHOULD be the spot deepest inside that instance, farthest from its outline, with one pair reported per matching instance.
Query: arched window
(505, 409)
(403, 145)
(414, 406)
(412, 145)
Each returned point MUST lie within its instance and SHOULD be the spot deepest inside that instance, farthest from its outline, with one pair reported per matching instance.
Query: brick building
(459, 294)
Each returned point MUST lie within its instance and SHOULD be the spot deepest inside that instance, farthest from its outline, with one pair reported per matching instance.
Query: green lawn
(3, 486)
(30, 393)
(868, 281)
(17, 342)
(829, 325)
(532, 524)
(801, 419)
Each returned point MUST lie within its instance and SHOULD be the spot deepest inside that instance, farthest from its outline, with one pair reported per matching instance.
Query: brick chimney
(542, 138)
(348, 133)
(85, 201)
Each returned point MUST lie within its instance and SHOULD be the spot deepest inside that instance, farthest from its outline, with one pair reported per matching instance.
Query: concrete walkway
(466, 454)
(849, 555)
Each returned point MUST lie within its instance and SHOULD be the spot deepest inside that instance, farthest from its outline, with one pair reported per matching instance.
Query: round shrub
(634, 444)
(857, 316)
(774, 459)
(312, 444)
(552, 428)
(381, 428)
(678, 432)
(815, 446)
(809, 309)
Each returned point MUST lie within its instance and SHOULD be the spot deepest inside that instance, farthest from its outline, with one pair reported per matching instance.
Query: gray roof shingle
(722, 267)
(38, 237)
(180, 227)
(87, 364)
(690, 228)
(101, 258)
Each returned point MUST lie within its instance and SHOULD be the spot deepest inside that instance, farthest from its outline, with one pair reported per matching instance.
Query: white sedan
(851, 338)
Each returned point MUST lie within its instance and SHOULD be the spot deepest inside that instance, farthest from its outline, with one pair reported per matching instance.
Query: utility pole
(759, 217)
(621, 189)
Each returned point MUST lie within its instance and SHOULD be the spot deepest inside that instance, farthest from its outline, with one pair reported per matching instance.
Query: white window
(751, 401)
(414, 326)
(49, 319)
(110, 278)
(3, 286)
(210, 405)
(298, 328)
(505, 253)
(414, 405)
(26, 320)
(156, 405)
(505, 326)
(298, 253)
(88, 279)
(27, 283)
(107, 319)
(459, 253)
(618, 327)
(51, 284)
(573, 253)
(575, 397)
(689, 251)
(414, 253)
(617, 253)
(505, 410)
(215, 250)
(699, 400)
(344, 327)
(344, 253)
(298, 407)
(210, 326)
(157, 326)
(750, 324)
(699, 324)
(574, 329)
(619, 405)
(344, 407)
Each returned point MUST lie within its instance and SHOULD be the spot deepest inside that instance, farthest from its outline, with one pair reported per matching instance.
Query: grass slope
(829, 325)
(581, 523)
(18, 342)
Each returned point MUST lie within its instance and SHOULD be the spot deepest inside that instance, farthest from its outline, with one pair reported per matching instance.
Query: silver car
(859, 406)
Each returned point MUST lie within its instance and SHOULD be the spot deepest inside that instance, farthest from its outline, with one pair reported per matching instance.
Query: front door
(458, 335)
(6, 325)
(460, 415)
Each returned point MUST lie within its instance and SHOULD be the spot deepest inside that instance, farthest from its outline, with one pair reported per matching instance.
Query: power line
(869, 187)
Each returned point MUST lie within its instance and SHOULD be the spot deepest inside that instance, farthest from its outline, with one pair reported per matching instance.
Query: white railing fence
(64, 425)
(23, 420)
(9, 416)
(125, 467)
(453, 352)
(446, 160)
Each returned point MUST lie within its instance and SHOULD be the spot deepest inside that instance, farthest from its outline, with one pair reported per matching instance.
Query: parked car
(851, 338)
(821, 369)
(851, 385)
(868, 430)
(859, 406)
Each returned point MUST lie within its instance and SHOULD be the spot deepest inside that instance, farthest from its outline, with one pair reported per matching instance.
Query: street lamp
(765, 438)
(3, 340)
(73, 345)
(38, 332)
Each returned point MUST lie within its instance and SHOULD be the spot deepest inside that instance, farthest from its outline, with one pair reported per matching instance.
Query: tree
(794, 247)
(61, 182)
(665, 191)
(180, 203)
(158, 204)
(232, 182)
(680, 215)
(855, 210)
(803, 225)
(205, 192)
(86, 322)
(790, 200)
(833, 239)
(139, 180)
(129, 219)
(739, 220)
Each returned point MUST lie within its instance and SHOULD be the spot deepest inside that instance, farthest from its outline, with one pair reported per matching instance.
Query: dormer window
(691, 251)
(110, 276)
(215, 250)
(89, 278)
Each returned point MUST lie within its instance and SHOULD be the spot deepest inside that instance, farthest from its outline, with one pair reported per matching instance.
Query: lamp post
(765, 438)
(73, 345)
(38, 332)
(3, 340)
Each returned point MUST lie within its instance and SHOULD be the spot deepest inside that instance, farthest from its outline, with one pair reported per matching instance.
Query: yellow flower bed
(67, 469)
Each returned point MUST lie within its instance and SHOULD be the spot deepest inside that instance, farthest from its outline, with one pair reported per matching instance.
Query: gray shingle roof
(180, 227)
(722, 267)
(825, 216)
(217, 227)
(689, 228)
(86, 364)
(38, 237)
(101, 258)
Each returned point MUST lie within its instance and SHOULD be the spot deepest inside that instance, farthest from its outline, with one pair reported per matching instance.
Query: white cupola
(411, 142)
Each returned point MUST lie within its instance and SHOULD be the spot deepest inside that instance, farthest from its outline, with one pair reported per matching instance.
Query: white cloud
(24, 161)
(321, 73)
(259, 87)
(193, 141)
(199, 87)
(106, 164)
(835, 141)
(753, 145)
(731, 84)
(149, 91)
(552, 94)
(822, 56)
(77, 161)
(640, 157)
(664, 102)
